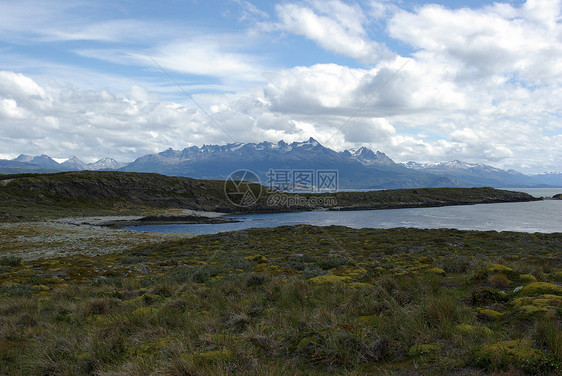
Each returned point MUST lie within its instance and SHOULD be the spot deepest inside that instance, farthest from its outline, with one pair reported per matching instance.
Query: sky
(429, 81)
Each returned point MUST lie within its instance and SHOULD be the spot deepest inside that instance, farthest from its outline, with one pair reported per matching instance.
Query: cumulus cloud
(495, 40)
(334, 25)
(90, 123)
(480, 84)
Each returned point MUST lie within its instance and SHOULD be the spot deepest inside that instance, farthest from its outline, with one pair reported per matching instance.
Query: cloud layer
(480, 85)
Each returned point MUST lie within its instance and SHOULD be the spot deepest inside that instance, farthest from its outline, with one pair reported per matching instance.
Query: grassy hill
(96, 193)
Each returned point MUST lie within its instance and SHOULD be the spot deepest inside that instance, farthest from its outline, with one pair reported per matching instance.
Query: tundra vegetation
(297, 300)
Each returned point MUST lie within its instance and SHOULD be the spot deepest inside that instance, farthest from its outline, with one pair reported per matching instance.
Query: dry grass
(246, 303)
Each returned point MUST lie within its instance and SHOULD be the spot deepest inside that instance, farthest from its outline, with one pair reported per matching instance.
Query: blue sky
(472, 80)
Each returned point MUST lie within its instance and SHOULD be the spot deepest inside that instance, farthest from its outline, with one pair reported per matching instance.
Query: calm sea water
(537, 192)
(538, 216)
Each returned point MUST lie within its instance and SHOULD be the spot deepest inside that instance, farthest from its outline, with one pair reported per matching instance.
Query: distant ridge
(45, 164)
(359, 168)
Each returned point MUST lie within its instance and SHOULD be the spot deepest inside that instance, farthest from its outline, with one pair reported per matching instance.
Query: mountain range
(356, 168)
(45, 164)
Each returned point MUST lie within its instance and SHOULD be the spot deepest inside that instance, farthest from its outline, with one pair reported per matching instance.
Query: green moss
(311, 340)
(437, 271)
(369, 320)
(498, 268)
(260, 259)
(348, 271)
(527, 278)
(105, 321)
(40, 288)
(514, 353)
(360, 285)
(147, 349)
(489, 314)
(539, 288)
(329, 278)
(425, 349)
(531, 310)
(539, 301)
(470, 329)
(557, 276)
(265, 267)
(143, 312)
(84, 357)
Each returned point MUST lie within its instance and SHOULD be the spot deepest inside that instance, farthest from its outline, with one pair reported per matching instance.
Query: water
(537, 192)
(537, 216)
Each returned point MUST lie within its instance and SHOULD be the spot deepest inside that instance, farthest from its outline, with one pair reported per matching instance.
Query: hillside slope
(88, 192)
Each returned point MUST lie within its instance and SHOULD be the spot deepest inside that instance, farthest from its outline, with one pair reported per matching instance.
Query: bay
(536, 216)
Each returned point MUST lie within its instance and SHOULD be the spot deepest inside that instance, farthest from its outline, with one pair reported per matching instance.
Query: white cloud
(334, 25)
(91, 123)
(495, 40)
(18, 85)
(55, 20)
(214, 56)
(481, 85)
(9, 109)
(250, 12)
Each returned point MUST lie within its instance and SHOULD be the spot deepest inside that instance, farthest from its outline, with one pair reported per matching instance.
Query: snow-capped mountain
(105, 164)
(40, 160)
(368, 157)
(476, 174)
(360, 168)
(74, 164)
(549, 178)
(44, 163)
(356, 168)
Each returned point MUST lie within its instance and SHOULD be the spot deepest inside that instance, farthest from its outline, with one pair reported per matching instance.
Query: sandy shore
(44, 239)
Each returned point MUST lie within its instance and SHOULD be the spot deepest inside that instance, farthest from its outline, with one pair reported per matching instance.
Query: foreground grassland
(298, 300)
